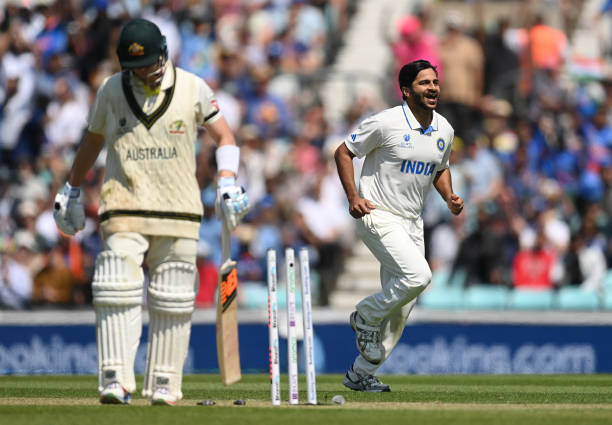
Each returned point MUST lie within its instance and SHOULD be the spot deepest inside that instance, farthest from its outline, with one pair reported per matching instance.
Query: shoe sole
(111, 399)
(348, 384)
(354, 326)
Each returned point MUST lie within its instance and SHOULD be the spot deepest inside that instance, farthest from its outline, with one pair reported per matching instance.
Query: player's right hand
(455, 204)
(360, 207)
(68, 210)
(232, 202)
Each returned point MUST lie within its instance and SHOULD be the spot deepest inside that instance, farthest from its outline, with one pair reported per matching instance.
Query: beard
(422, 99)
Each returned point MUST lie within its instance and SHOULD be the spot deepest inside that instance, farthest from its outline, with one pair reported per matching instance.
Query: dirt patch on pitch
(49, 401)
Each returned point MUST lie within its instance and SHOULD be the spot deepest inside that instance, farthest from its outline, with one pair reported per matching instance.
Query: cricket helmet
(141, 44)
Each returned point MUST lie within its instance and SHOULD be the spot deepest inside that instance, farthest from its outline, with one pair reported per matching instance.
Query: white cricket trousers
(398, 245)
(158, 249)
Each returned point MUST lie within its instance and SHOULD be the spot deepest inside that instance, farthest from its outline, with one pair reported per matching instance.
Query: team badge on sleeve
(441, 144)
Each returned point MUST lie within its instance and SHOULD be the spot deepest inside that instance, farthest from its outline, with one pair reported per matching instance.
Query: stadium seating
(442, 298)
(440, 278)
(485, 297)
(608, 281)
(457, 278)
(575, 298)
(606, 302)
(527, 299)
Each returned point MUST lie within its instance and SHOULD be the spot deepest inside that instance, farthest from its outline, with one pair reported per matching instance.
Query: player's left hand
(232, 201)
(455, 204)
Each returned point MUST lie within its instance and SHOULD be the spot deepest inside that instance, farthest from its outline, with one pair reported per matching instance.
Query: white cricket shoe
(162, 397)
(368, 339)
(114, 393)
(365, 383)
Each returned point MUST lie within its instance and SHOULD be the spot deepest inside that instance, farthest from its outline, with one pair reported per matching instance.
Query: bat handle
(225, 242)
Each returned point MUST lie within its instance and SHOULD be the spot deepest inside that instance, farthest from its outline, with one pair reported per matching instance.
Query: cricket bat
(228, 355)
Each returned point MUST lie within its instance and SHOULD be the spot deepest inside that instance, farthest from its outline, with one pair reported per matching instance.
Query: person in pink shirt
(414, 43)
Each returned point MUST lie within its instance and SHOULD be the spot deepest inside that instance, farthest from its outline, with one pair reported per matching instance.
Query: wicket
(273, 330)
(291, 330)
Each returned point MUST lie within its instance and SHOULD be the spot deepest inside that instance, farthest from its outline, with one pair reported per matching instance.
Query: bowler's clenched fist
(455, 204)
(360, 207)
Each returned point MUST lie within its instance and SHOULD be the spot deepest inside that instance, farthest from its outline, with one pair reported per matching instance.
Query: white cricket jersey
(149, 183)
(401, 158)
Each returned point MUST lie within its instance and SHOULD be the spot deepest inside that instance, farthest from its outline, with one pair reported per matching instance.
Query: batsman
(150, 210)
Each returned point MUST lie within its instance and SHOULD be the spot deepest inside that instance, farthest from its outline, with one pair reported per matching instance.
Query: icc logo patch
(441, 144)
(136, 49)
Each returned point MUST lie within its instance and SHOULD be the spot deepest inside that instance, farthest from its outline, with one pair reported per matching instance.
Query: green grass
(505, 399)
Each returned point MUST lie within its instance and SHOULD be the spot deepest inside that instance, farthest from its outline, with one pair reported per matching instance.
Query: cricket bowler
(406, 149)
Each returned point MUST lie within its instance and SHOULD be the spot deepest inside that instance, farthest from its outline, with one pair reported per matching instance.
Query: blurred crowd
(532, 156)
(263, 59)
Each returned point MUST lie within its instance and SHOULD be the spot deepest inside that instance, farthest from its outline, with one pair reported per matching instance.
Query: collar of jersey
(415, 125)
(167, 86)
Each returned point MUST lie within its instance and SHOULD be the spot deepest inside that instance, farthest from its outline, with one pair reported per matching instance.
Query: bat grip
(225, 242)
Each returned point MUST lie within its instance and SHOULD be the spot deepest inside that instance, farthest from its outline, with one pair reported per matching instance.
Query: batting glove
(68, 210)
(232, 201)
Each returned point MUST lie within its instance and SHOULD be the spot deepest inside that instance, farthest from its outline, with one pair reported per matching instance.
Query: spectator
(548, 45)
(54, 284)
(410, 42)
(198, 52)
(482, 254)
(65, 118)
(15, 281)
(585, 265)
(16, 93)
(207, 275)
(321, 224)
(463, 63)
(501, 64)
(534, 264)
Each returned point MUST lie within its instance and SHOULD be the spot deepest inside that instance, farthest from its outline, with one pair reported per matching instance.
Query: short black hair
(409, 72)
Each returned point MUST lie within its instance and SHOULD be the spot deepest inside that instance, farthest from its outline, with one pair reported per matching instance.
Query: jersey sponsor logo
(417, 167)
(177, 127)
(353, 137)
(407, 142)
(441, 144)
(215, 104)
(147, 154)
(136, 49)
